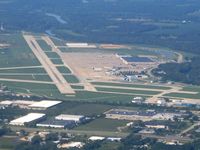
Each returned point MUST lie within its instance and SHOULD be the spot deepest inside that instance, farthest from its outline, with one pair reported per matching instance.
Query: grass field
(44, 45)
(128, 91)
(87, 109)
(27, 77)
(63, 69)
(187, 88)
(103, 125)
(52, 55)
(7, 143)
(182, 95)
(71, 79)
(77, 87)
(130, 85)
(25, 70)
(19, 51)
(51, 90)
(57, 61)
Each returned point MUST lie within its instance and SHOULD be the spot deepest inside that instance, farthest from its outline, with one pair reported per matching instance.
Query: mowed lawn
(18, 54)
(131, 85)
(7, 143)
(103, 124)
(63, 69)
(28, 77)
(187, 88)
(88, 109)
(44, 45)
(145, 92)
(23, 70)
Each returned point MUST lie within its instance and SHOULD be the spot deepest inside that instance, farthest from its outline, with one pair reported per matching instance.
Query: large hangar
(28, 119)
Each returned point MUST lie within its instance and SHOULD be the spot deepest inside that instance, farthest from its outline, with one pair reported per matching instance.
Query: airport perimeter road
(50, 68)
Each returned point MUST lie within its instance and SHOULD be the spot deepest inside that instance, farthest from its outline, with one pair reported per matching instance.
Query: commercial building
(44, 104)
(71, 145)
(96, 138)
(75, 118)
(28, 119)
(122, 114)
(52, 123)
(147, 115)
(155, 125)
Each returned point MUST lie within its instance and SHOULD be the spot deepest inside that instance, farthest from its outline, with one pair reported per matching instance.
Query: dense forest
(188, 72)
(170, 23)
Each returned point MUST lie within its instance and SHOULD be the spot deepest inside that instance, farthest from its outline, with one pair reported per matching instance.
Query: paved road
(50, 68)
(26, 81)
(25, 67)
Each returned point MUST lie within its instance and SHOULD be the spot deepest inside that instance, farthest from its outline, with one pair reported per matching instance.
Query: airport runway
(50, 68)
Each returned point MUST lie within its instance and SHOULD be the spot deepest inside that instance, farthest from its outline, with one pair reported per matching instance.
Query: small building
(44, 104)
(52, 123)
(155, 125)
(75, 118)
(147, 131)
(5, 103)
(28, 119)
(114, 139)
(24, 104)
(71, 145)
(96, 138)
(138, 100)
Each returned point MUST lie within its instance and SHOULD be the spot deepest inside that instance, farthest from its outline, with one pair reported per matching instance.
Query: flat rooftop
(137, 59)
(44, 104)
(69, 117)
(54, 122)
(28, 118)
(131, 113)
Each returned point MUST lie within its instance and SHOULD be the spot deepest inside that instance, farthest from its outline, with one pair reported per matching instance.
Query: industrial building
(140, 115)
(71, 145)
(28, 119)
(52, 123)
(130, 114)
(75, 118)
(156, 125)
(44, 104)
(96, 138)
(27, 104)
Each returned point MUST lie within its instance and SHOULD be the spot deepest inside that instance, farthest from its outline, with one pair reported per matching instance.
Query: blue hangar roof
(137, 59)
